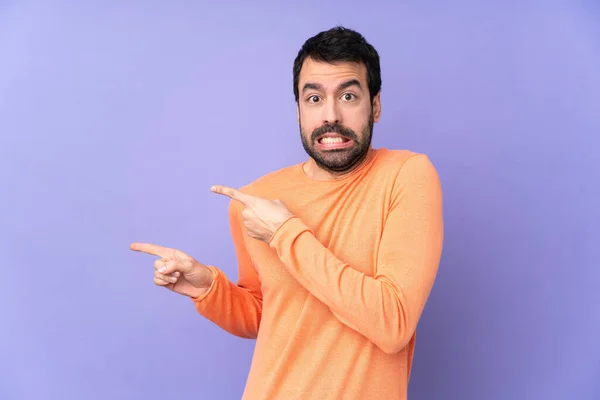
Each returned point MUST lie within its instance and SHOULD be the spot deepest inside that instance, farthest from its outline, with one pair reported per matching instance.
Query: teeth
(332, 140)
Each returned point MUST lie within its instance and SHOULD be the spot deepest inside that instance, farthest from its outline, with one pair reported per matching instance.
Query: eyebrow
(351, 82)
(344, 85)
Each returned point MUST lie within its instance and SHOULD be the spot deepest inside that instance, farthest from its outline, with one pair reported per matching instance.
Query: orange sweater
(334, 299)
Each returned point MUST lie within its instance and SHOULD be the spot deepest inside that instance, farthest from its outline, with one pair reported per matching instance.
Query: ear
(298, 113)
(377, 107)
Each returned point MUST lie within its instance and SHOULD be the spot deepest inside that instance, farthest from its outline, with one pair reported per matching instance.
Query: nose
(331, 113)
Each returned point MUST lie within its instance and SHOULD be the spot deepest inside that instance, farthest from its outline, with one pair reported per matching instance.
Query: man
(337, 255)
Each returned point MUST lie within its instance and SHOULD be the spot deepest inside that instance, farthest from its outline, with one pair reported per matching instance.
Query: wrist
(206, 284)
(197, 292)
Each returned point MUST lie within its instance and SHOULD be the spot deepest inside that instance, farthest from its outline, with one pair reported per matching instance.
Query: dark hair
(340, 44)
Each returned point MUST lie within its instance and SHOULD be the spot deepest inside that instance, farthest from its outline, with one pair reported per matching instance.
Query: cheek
(308, 122)
(355, 120)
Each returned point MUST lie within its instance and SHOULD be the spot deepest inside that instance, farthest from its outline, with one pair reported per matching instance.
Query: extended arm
(385, 307)
(236, 308)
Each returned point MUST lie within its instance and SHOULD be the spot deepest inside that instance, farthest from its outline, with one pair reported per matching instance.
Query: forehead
(330, 75)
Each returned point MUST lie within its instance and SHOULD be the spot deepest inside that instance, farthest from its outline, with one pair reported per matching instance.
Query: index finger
(149, 248)
(232, 193)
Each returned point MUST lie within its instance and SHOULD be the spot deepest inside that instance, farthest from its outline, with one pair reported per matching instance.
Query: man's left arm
(385, 307)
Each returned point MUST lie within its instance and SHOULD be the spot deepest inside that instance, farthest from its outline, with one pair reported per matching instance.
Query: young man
(337, 255)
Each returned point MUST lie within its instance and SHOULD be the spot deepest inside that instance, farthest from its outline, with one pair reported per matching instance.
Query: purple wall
(115, 120)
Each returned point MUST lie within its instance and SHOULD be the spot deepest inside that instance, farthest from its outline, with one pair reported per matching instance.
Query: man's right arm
(236, 308)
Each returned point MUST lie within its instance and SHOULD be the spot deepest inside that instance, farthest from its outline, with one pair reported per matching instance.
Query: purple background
(115, 120)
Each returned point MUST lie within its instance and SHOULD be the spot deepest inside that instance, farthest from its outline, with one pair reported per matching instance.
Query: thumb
(171, 266)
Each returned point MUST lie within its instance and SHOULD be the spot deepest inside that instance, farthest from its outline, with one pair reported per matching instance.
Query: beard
(338, 160)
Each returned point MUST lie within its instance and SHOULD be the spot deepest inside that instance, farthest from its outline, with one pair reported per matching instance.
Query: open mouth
(333, 139)
(333, 142)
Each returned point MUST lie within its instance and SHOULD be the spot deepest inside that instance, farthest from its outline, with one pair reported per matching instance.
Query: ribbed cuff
(211, 288)
(287, 232)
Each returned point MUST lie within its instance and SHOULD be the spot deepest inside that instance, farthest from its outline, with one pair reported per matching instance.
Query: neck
(315, 171)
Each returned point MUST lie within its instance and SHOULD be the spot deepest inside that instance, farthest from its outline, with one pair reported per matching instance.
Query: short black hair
(340, 44)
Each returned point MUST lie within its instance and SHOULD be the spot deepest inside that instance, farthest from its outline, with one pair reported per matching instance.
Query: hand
(262, 217)
(176, 270)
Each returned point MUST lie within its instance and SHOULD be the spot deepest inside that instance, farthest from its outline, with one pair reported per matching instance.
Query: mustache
(339, 129)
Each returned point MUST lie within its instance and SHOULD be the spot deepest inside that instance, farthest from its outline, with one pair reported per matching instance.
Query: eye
(348, 96)
(313, 99)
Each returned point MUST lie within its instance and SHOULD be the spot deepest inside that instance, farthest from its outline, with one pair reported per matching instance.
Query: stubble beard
(339, 160)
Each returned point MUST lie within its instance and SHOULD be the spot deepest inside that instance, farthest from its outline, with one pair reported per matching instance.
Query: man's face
(335, 113)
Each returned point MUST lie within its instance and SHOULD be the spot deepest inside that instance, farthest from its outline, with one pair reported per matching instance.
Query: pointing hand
(262, 217)
(176, 270)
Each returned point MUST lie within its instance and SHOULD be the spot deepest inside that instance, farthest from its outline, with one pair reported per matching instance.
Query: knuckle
(161, 262)
(246, 213)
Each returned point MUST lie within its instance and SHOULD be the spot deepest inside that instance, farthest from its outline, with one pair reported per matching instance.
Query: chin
(337, 160)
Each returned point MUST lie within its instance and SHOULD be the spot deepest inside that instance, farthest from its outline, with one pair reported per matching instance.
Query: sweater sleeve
(237, 308)
(385, 307)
